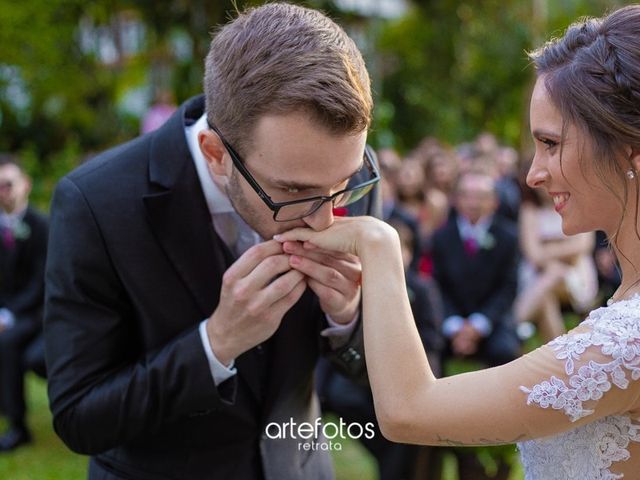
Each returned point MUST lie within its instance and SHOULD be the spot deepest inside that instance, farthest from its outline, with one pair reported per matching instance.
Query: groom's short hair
(281, 58)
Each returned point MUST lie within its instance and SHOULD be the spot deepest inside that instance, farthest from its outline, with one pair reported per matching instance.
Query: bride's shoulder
(620, 319)
(613, 330)
(602, 352)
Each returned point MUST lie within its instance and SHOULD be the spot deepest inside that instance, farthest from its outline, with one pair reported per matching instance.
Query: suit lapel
(458, 243)
(179, 216)
(187, 238)
(182, 223)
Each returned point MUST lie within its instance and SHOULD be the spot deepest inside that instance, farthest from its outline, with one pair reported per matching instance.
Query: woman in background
(556, 271)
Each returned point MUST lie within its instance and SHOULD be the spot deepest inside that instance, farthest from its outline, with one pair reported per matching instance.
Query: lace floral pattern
(616, 330)
(587, 452)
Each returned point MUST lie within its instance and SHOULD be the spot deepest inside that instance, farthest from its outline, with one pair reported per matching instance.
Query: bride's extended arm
(412, 406)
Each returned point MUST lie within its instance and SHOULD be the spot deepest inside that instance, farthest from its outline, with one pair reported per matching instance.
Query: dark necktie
(470, 246)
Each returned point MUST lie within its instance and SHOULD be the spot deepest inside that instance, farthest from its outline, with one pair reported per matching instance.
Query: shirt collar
(217, 200)
(467, 229)
(12, 219)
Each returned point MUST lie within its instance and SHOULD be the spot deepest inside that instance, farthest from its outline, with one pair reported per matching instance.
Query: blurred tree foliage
(452, 69)
(76, 75)
(67, 72)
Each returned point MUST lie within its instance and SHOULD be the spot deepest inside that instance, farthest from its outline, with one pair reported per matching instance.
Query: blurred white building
(375, 8)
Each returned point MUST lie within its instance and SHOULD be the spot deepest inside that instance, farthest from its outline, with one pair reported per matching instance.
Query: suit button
(350, 355)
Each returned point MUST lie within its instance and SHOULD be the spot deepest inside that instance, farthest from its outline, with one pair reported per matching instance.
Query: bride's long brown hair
(592, 75)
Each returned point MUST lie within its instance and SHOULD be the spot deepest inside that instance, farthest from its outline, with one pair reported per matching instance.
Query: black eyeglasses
(296, 209)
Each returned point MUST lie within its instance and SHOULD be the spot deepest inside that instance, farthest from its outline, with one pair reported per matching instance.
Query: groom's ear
(214, 152)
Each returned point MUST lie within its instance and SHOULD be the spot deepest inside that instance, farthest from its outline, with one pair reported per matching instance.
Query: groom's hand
(333, 276)
(257, 290)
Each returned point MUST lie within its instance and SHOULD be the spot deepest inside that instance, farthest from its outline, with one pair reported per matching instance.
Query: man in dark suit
(23, 247)
(475, 260)
(180, 338)
(475, 257)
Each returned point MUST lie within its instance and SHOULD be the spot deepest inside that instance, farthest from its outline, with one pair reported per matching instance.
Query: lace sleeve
(603, 353)
(590, 373)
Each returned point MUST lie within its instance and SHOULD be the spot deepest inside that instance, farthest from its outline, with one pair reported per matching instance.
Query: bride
(573, 405)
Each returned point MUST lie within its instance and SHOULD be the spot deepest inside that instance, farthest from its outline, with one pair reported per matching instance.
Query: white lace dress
(598, 391)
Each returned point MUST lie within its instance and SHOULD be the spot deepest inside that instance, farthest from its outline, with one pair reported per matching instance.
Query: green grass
(354, 462)
(48, 459)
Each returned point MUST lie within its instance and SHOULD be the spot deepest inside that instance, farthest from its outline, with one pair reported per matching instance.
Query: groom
(176, 329)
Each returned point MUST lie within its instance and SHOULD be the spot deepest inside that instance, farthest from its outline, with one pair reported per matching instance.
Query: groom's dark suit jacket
(134, 267)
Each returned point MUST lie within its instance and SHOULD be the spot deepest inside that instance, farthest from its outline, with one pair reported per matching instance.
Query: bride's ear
(634, 159)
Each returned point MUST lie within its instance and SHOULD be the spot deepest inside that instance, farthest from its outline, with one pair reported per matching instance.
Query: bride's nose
(538, 174)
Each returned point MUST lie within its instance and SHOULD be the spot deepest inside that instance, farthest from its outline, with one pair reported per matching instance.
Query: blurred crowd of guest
(436, 187)
(487, 255)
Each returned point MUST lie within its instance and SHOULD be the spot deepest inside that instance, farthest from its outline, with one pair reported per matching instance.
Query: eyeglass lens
(302, 209)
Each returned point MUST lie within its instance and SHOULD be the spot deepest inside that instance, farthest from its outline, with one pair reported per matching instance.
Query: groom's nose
(321, 218)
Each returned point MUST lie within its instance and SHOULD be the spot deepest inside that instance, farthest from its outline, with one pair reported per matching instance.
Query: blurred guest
(500, 162)
(23, 244)
(410, 186)
(421, 194)
(424, 296)
(486, 143)
(475, 259)
(609, 276)
(159, 112)
(466, 154)
(427, 147)
(33, 357)
(475, 265)
(354, 403)
(557, 270)
(392, 210)
(442, 169)
(389, 159)
(507, 184)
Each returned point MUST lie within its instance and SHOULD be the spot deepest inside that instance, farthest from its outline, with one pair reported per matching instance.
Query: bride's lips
(560, 199)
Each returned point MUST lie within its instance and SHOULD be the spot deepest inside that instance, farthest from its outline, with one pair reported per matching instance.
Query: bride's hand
(346, 234)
